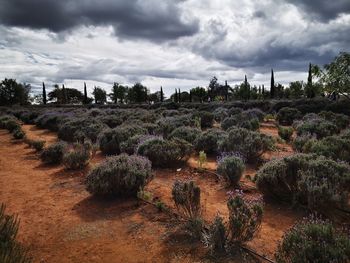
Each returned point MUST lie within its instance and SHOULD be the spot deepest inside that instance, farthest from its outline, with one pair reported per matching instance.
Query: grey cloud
(151, 19)
(323, 10)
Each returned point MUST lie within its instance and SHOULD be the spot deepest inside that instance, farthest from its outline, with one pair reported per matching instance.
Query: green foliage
(336, 75)
(340, 120)
(54, 153)
(244, 219)
(137, 93)
(217, 236)
(231, 169)
(120, 175)
(285, 133)
(38, 145)
(334, 147)
(10, 250)
(209, 140)
(318, 127)
(18, 133)
(165, 153)
(187, 198)
(207, 118)
(319, 183)
(251, 145)
(314, 240)
(202, 159)
(100, 95)
(110, 139)
(12, 92)
(77, 158)
(286, 115)
(186, 133)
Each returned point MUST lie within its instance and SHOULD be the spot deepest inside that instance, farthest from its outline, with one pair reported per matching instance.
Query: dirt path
(60, 222)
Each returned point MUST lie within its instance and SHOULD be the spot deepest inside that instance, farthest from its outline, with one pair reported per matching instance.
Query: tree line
(332, 80)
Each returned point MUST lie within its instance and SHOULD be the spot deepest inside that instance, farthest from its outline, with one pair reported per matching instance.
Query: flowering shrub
(253, 114)
(79, 130)
(245, 218)
(314, 240)
(220, 113)
(120, 175)
(206, 117)
(188, 134)
(334, 147)
(340, 120)
(287, 115)
(234, 111)
(209, 140)
(246, 119)
(303, 143)
(54, 153)
(78, 158)
(231, 169)
(130, 146)
(110, 139)
(165, 153)
(316, 126)
(317, 182)
(251, 145)
(51, 120)
(168, 124)
(285, 133)
(187, 198)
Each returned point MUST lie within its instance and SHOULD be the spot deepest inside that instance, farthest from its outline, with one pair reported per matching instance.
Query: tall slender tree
(161, 94)
(309, 78)
(179, 96)
(190, 95)
(85, 101)
(64, 94)
(175, 98)
(226, 91)
(272, 87)
(44, 94)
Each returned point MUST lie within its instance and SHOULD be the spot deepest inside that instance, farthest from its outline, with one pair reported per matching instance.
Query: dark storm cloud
(153, 20)
(323, 10)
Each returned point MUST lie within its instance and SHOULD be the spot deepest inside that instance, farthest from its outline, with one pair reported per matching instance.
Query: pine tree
(44, 94)
(272, 88)
(85, 94)
(161, 94)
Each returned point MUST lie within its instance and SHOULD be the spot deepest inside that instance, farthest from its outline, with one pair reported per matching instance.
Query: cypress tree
(161, 94)
(179, 97)
(309, 78)
(190, 95)
(64, 94)
(175, 99)
(85, 94)
(44, 94)
(272, 88)
(226, 91)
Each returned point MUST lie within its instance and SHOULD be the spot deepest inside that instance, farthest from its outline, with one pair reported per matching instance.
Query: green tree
(12, 92)
(296, 89)
(137, 93)
(119, 92)
(161, 94)
(336, 75)
(65, 96)
(44, 94)
(198, 94)
(100, 95)
(85, 101)
(272, 86)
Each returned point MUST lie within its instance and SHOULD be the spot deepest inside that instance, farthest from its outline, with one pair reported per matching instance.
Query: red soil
(61, 222)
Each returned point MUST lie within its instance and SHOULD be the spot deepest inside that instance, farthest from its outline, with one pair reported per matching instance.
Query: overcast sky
(169, 43)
